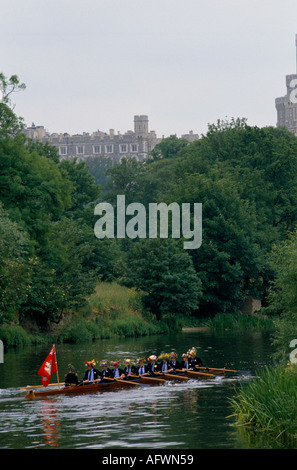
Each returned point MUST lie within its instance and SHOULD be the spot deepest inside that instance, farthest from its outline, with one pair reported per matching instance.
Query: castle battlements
(137, 143)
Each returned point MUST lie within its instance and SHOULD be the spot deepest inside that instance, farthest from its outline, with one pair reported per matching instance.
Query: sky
(93, 64)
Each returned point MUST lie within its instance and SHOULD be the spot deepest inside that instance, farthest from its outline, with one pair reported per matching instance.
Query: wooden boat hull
(78, 389)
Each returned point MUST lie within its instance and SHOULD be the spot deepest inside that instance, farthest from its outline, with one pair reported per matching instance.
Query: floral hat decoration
(115, 363)
(192, 351)
(140, 359)
(173, 354)
(164, 356)
(152, 358)
(90, 363)
(104, 363)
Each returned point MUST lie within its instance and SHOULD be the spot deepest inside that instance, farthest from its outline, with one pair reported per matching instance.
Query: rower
(91, 374)
(116, 372)
(194, 361)
(185, 365)
(164, 366)
(106, 372)
(142, 368)
(153, 366)
(71, 378)
(129, 367)
(174, 364)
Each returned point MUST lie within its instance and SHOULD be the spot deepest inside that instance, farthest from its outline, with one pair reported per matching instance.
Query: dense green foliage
(245, 177)
(50, 261)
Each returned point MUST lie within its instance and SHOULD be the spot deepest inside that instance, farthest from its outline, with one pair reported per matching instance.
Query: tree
(229, 262)
(10, 124)
(124, 179)
(165, 276)
(10, 85)
(282, 297)
(61, 278)
(98, 167)
(168, 148)
(85, 194)
(15, 270)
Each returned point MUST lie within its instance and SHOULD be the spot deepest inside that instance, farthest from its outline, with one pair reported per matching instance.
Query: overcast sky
(94, 64)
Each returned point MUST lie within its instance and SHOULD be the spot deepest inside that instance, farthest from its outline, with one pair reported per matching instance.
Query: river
(191, 415)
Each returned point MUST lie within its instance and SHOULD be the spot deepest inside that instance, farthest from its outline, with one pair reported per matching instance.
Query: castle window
(134, 148)
(108, 148)
(123, 148)
(96, 148)
(63, 150)
(80, 150)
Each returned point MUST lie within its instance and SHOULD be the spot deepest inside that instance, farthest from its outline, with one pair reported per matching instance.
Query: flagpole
(57, 366)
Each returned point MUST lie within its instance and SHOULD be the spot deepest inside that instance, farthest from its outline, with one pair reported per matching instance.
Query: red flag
(48, 367)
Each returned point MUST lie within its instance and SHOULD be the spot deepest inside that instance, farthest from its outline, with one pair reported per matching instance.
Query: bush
(14, 336)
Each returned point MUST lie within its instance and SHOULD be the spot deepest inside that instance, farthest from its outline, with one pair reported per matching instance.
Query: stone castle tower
(286, 106)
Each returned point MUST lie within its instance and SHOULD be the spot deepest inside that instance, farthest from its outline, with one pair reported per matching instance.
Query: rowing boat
(84, 388)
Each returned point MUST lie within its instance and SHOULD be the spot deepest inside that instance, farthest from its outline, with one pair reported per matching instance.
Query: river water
(191, 415)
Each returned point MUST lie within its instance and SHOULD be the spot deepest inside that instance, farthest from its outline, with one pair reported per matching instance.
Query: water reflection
(49, 418)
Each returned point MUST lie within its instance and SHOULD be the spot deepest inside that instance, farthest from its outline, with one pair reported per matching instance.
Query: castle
(286, 106)
(137, 143)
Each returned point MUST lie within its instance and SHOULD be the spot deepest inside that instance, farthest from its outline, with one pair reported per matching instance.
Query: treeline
(245, 177)
(50, 261)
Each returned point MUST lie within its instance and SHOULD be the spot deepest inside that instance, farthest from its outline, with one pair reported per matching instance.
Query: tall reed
(268, 403)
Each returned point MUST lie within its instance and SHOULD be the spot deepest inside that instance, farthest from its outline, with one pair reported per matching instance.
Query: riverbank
(115, 310)
(267, 404)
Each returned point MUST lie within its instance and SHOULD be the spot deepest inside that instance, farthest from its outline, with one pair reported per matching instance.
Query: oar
(195, 374)
(39, 386)
(123, 381)
(172, 376)
(215, 368)
(148, 377)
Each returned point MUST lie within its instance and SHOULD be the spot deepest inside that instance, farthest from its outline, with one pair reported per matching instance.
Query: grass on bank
(267, 403)
(239, 322)
(115, 310)
(112, 310)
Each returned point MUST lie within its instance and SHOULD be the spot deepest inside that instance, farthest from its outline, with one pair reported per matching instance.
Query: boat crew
(142, 368)
(152, 366)
(116, 372)
(185, 364)
(106, 372)
(164, 366)
(129, 367)
(194, 361)
(71, 377)
(91, 374)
